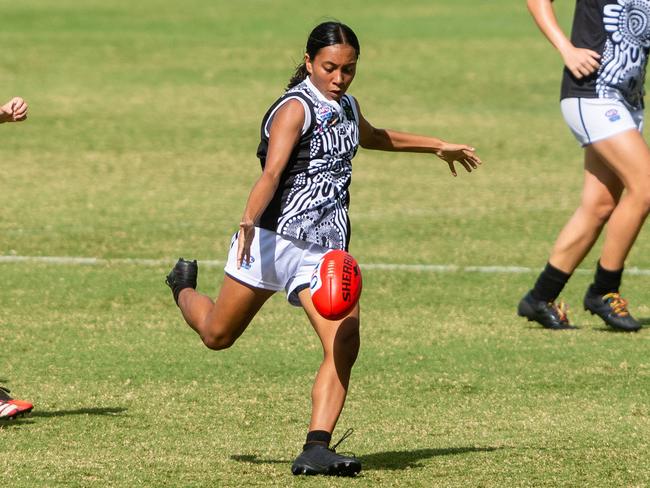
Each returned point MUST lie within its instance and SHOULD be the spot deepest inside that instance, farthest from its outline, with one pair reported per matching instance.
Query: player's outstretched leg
(219, 323)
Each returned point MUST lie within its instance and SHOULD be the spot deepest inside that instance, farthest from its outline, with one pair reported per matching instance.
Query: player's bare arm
(391, 140)
(284, 134)
(581, 62)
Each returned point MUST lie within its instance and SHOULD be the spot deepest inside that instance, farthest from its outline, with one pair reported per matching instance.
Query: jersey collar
(320, 96)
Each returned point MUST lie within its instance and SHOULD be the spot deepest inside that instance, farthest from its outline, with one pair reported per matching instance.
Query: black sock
(606, 281)
(549, 284)
(315, 437)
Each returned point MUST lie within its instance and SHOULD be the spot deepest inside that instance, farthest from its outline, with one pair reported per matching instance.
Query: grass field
(140, 143)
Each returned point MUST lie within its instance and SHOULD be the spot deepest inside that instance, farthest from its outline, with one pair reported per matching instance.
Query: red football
(335, 284)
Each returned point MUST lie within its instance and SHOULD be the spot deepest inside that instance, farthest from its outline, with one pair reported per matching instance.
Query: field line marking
(429, 268)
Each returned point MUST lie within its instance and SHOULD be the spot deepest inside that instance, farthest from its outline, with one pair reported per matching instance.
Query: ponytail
(299, 75)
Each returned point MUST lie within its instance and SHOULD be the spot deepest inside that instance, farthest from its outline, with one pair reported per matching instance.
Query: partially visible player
(11, 408)
(15, 110)
(602, 103)
(297, 211)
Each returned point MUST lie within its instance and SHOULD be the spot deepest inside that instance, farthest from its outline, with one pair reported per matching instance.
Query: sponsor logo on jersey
(326, 116)
(612, 115)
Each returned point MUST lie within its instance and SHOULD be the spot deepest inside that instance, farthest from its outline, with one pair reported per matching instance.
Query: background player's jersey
(619, 30)
(311, 203)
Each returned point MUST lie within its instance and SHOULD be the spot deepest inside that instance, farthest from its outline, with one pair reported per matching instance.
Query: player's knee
(218, 341)
(600, 211)
(604, 210)
(642, 199)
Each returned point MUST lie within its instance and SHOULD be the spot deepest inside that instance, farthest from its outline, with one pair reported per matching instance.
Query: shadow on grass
(388, 460)
(78, 411)
(558, 330)
(397, 460)
(604, 328)
(28, 418)
(253, 459)
(609, 330)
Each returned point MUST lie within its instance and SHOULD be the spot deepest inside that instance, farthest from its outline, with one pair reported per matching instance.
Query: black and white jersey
(619, 30)
(311, 202)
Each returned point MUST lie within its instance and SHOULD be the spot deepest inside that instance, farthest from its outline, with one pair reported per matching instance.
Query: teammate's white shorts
(595, 119)
(277, 262)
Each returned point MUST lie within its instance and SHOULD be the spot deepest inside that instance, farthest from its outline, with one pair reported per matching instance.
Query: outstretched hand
(15, 110)
(244, 242)
(465, 155)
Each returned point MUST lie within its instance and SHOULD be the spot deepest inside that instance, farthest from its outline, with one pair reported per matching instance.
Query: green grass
(140, 144)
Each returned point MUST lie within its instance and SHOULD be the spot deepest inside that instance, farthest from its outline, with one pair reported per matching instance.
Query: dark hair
(323, 35)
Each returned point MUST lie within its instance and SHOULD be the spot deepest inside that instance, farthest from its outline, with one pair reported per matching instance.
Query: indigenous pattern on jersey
(619, 30)
(311, 203)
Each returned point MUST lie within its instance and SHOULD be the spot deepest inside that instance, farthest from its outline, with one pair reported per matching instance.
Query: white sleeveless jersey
(312, 199)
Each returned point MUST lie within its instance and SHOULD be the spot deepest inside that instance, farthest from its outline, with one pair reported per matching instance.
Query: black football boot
(612, 308)
(549, 314)
(317, 458)
(183, 275)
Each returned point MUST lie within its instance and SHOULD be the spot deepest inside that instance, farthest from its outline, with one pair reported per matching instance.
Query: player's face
(332, 69)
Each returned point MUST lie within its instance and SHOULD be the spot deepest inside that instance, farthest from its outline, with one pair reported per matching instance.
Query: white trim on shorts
(595, 119)
(277, 262)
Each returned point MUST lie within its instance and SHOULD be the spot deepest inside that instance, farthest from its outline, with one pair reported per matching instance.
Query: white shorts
(595, 119)
(277, 262)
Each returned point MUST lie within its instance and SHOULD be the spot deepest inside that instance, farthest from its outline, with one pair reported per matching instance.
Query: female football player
(297, 211)
(602, 103)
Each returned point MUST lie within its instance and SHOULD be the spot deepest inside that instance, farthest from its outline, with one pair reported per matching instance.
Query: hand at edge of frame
(15, 110)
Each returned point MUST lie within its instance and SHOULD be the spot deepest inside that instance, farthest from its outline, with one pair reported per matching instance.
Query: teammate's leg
(628, 156)
(600, 193)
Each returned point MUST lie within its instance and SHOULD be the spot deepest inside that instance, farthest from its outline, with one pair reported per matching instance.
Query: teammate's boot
(320, 459)
(549, 314)
(183, 275)
(11, 408)
(612, 308)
